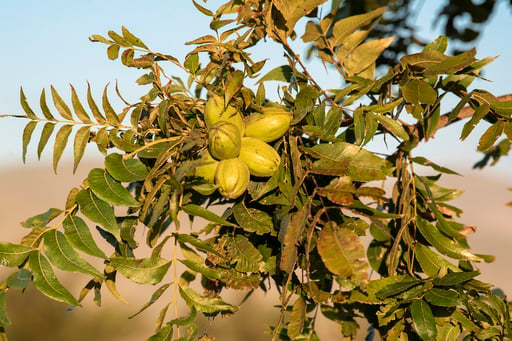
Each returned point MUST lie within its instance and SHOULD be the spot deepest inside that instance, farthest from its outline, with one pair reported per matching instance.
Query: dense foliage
(295, 221)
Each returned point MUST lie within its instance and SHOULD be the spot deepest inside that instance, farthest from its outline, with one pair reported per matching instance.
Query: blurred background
(46, 43)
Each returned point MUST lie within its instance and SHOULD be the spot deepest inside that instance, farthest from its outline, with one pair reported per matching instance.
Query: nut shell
(208, 168)
(215, 111)
(232, 177)
(224, 140)
(268, 126)
(260, 157)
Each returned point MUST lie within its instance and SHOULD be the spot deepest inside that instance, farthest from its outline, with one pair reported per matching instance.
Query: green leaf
(78, 107)
(163, 334)
(281, 73)
(341, 251)
(45, 136)
(142, 271)
(4, 319)
(191, 63)
(290, 232)
(98, 211)
(113, 52)
(19, 280)
(127, 57)
(79, 235)
(61, 106)
(423, 320)
(365, 55)
(452, 64)
(455, 278)
(442, 297)
(44, 107)
(109, 189)
(27, 135)
(444, 244)
(241, 252)
(397, 288)
(207, 305)
(340, 190)
(128, 227)
(197, 243)
(233, 84)
(464, 321)
(430, 262)
(131, 38)
(62, 255)
(440, 44)
(503, 108)
(490, 136)
(156, 295)
(350, 43)
(448, 332)
(343, 158)
(126, 141)
(61, 140)
(12, 255)
(312, 32)
(393, 126)
(297, 318)
(199, 211)
(94, 107)
(343, 28)
(154, 150)
(252, 219)
(417, 91)
(41, 219)
(291, 11)
(99, 38)
(202, 269)
(81, 141)
(111, 115)
(202, 9)
(125, 170)
(110, 282)
(427, 163)
(46, 282)
(118, 39)
(26, 108)
(479, 113)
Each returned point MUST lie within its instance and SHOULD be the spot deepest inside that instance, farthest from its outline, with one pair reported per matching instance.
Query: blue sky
(46, 43)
